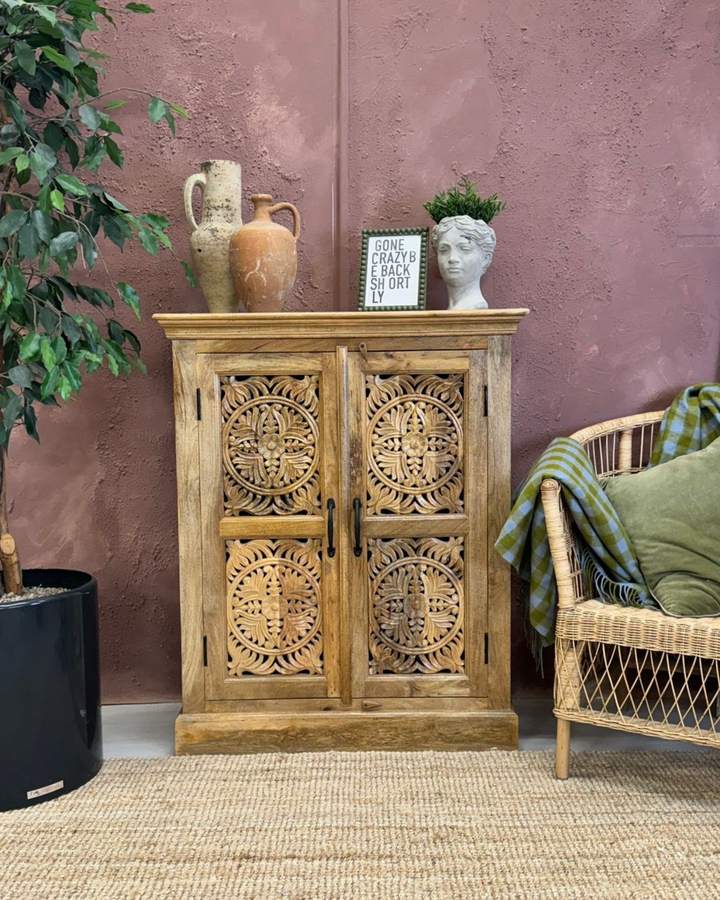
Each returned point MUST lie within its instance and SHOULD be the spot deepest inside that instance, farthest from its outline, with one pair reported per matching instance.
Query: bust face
(460, 259)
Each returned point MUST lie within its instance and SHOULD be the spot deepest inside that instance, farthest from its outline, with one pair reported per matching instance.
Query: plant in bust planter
(463, 241)
(58, 320)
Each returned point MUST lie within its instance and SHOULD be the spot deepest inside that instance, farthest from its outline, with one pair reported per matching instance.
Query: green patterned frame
(423, 232)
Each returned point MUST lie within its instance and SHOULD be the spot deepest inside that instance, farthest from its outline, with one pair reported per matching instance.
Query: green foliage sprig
(53, 140)
(463, 200)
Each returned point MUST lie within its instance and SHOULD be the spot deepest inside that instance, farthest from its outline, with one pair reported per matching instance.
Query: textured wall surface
(595, 121)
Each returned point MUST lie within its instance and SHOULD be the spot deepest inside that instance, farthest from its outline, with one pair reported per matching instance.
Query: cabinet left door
(269, 479)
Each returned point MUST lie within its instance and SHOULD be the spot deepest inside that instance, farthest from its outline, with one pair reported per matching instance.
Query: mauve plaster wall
(597, 122)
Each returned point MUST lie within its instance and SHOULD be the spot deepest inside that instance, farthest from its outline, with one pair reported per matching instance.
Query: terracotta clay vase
(263, 257)
(221, 184)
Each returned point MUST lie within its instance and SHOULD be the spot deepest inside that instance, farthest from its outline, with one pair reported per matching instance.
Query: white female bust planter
(464, 248)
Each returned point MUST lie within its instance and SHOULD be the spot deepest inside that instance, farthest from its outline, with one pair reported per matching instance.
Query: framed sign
(393, 269)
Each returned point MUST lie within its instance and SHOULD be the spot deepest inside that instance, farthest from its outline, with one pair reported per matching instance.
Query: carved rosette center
(417, 602)
(270, 441)
(273, 607)
(414, 443)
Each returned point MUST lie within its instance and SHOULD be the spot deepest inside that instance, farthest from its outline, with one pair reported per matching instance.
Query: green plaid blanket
(691, 422)
(609, 562)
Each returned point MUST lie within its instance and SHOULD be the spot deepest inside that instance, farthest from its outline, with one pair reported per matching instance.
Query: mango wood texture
(345, 730)
(393, 432)
(340, 327)
(189, 525)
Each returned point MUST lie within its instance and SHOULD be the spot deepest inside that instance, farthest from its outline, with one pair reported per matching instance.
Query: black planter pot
(50, 731)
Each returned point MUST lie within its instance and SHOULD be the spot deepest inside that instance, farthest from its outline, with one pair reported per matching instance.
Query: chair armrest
(563, 547)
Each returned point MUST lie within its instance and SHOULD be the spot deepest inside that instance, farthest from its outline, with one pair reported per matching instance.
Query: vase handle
(196, 180)
(295, 213)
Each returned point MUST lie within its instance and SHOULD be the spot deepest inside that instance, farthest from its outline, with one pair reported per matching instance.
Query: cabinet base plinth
(340, 730)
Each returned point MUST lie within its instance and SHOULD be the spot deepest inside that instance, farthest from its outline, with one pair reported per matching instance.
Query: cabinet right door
(417, 514)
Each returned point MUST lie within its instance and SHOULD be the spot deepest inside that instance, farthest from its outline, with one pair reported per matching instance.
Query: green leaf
(64, 388)
(25, 56)
(29, 350)
(164, 240)
(156, 110)
(139, 8)
(43, 225)
(155, 220)
(57, 200)
(50, 383)
(90, 117)
(115, 104)
(72, 373)
(72, 185)
(148, 241)
(53, 135)
(171, 122)
(114, 152)
(59, 60)
(92, 362)
(179, 110)
(47, 353)
(71, 329)
(130, 297)
(109, 125)
(30, 421)
(189, 274)
(93, 154)
(46, 13)
(22, 162)
(114, 232)
(10, 153)
(116, 203)
(113, 366)
(63, 242)
(49, 319)
(42, 159)
(12, 409)
(132, 340)
(28, 242)
(12, 221)
(60, 349)
(9, 134)
(17, 280)
(72, 152)
(116, 332)
(89, 247)
(20, 376)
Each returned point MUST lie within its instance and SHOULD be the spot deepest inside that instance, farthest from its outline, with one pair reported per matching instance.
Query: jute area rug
(375, 826)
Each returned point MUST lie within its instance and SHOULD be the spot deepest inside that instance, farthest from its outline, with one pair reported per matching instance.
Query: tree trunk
(11, 570)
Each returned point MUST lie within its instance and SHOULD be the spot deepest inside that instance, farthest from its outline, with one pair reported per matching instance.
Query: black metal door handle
(357, 549)
(330, 528)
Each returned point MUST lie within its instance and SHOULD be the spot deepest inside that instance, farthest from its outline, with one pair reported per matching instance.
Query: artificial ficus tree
(57, 298)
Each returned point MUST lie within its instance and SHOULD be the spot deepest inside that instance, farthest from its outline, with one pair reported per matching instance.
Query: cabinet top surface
(201, 326)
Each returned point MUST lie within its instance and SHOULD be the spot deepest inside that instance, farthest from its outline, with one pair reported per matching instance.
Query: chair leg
(562, 750)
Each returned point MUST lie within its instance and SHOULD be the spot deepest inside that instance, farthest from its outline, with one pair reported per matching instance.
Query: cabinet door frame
(218, 528)
(471, 525)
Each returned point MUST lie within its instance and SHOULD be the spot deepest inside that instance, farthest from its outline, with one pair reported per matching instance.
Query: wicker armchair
(625, 668)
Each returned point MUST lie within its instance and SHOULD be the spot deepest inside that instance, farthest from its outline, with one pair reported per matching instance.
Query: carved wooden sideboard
(341, 480)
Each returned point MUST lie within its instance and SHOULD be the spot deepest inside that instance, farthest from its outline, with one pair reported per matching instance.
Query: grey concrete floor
(146, 730)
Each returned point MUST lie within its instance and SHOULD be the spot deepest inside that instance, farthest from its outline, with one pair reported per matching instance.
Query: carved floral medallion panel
(270, 444)
(273, 607)
(414, 444)
(416, 605)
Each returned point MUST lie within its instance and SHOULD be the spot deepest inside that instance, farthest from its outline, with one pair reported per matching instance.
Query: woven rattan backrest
(620, 446)
(617, 447)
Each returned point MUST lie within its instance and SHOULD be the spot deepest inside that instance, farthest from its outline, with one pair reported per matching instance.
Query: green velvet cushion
(672, 516)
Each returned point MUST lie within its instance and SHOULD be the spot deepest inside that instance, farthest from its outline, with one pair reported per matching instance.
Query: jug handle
(196, 180)
(295, 213)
